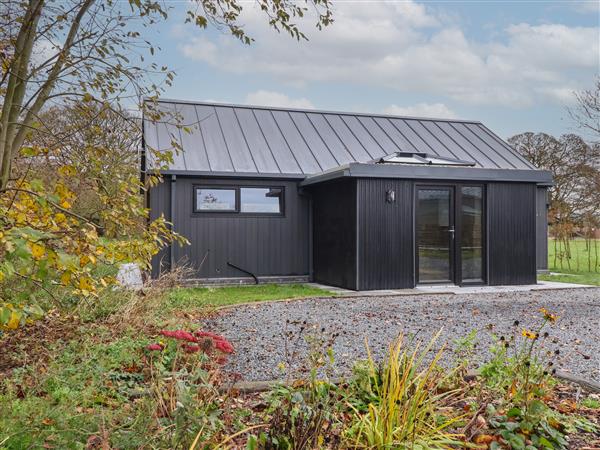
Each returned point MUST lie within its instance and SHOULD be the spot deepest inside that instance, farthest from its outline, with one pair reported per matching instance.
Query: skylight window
(421, 159)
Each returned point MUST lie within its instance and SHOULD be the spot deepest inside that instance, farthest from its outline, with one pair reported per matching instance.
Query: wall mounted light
(390, 196)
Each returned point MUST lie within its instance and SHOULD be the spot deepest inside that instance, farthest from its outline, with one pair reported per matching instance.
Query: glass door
(435, 234)
(471, 235)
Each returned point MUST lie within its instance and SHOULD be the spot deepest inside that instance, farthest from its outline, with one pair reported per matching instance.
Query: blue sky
(512, 64)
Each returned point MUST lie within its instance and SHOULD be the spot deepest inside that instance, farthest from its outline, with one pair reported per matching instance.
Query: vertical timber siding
(386, 235)
(334, 233)
(160, 203)
(542, 228)
(511, 233)
(262, 245)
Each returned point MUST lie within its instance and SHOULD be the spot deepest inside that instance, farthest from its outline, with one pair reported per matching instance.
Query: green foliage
(592, 403)
(519, 375)
(536, 427)
(184, 388)
(303, 416)
(82, 390)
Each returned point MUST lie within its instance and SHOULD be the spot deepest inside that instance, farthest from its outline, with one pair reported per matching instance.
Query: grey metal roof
(238, 139)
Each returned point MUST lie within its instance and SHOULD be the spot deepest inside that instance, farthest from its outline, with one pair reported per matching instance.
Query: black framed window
(215, 199)
(261, 200)
(250, 200)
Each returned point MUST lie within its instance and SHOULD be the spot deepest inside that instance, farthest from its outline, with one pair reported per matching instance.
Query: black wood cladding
(334, 233)
(386, 252)
(512, 233)
(264, 245)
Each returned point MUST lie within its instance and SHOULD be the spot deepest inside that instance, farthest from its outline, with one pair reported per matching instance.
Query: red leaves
(180, 335)
(154, 347)
(196, 340)
(223, 346)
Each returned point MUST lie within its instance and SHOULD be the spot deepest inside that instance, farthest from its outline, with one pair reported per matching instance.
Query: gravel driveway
(269, 335)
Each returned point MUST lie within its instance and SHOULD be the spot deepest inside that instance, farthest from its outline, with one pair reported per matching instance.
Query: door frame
(455, 218)
(451, 224)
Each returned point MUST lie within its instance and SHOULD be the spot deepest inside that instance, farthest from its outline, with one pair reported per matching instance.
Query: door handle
(451, 231)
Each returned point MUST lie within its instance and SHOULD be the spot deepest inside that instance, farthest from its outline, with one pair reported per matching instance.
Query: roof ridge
(307, 110)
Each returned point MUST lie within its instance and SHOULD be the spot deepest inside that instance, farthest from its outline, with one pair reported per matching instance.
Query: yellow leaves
(14, 321)
(60, 218)
(10, 316)
(65, 204)
(86, 285)
(86, 259)
(37, 251)
(67, 170)
(65, 278)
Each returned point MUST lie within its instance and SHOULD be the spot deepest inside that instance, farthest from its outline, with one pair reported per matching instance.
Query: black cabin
(360, 201)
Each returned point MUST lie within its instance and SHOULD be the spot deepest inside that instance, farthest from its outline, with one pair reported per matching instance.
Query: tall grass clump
(402, 402)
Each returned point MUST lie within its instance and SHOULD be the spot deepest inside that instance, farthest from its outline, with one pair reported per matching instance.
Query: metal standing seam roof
(241, 139)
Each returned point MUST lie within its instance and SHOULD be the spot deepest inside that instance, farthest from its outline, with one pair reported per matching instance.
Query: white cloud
(201, 49)
(435, 110)
(270, 98)
(409, 47)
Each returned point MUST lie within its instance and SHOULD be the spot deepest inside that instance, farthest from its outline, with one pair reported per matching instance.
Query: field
(581, 266)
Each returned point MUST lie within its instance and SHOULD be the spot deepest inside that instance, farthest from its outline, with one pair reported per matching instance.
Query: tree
(86, 58)
(587, 112)
(575, 167)
(103, 144)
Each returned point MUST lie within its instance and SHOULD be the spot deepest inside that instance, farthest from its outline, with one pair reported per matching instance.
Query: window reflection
(472, 233)
(261, 200)
(211, 199)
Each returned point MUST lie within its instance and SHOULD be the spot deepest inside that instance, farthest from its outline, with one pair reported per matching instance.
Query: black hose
(243, 270)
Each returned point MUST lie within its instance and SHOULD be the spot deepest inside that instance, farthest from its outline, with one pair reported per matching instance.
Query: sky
(513, 65)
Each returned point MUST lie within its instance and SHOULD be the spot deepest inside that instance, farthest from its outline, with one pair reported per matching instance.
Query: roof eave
(359, 170)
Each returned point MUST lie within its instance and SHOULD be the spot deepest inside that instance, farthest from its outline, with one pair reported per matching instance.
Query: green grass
(576, 268)
(591, 403)
(79, 393)
(186, 298)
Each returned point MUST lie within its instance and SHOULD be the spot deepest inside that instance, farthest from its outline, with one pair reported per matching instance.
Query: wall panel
(386, 236)
(334, 233)
(159, 202)
(511, 233)
(263, 245)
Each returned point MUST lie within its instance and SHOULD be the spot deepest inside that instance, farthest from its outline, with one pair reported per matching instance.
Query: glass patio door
(435, 234)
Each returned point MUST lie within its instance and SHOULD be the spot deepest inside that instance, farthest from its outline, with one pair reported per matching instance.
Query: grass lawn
(231, 295)
(575, 269)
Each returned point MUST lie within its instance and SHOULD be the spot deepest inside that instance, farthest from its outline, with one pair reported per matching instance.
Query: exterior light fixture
(390, 196)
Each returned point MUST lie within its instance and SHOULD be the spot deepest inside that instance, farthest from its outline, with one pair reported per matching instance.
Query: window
(215, 199)
(471, 239)
(261, 200)
(421, 159)
(245, 200)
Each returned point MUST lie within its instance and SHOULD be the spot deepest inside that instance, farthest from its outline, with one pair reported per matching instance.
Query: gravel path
(269, 334)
